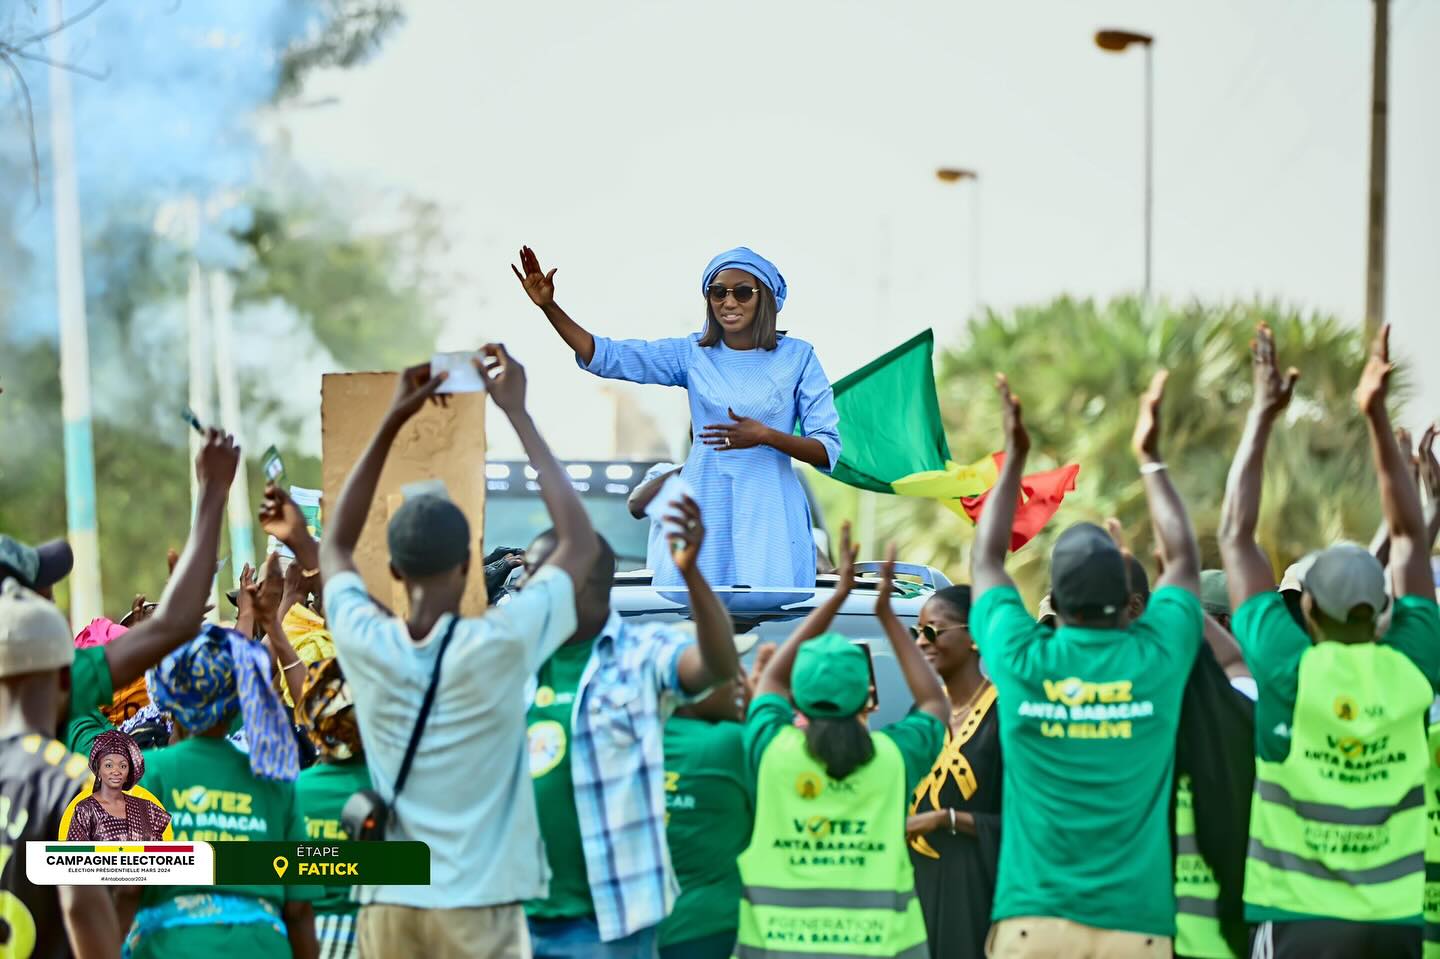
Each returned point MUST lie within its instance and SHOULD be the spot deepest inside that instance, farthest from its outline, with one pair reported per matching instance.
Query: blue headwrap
(744, 258)
(202, 682)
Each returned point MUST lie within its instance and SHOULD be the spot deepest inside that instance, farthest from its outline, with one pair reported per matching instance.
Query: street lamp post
(959, 175)
(1117, 41)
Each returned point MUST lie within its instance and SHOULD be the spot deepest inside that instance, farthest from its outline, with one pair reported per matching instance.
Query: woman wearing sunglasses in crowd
(954, 825)
(749, 387)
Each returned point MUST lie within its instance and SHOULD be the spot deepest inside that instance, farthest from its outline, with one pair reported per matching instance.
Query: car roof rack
(930, 578)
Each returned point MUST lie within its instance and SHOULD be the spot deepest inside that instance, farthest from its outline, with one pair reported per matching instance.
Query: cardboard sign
(437, 443)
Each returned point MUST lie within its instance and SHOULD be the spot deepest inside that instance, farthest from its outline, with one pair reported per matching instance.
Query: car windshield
(895, 699)
(516, 520)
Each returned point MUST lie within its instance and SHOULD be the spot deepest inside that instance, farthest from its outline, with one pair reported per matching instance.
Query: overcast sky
(630, 141)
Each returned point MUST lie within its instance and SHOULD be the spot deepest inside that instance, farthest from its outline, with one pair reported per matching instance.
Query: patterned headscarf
(202, 682)
(309, 638)
(116, 743)
(328, 713)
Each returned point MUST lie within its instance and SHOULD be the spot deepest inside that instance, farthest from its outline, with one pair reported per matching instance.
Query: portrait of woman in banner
(114, 809)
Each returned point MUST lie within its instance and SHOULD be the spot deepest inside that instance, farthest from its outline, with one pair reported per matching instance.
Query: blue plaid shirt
(617, 761)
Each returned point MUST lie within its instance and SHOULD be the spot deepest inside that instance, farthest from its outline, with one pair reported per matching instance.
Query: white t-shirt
(469, 794)
(657, 548)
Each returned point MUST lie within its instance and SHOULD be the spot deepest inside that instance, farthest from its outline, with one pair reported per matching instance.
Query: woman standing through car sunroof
(750, 386)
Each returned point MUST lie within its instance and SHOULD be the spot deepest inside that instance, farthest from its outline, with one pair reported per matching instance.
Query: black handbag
(366, 814)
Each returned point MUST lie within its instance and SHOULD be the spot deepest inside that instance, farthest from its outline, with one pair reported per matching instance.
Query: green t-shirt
(709, 815)
(90, 687)
(322, 791)
(548, 736)
(1087, 725)
(1273, 644)
(919, 737)
(207, 787)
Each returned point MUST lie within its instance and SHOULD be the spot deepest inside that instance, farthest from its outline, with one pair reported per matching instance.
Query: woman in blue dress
(749, 387)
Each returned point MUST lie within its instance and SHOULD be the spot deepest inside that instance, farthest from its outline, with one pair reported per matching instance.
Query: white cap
(34, 636)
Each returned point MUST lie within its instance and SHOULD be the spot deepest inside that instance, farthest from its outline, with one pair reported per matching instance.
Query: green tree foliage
(367, 296)
(352, 32)
(1079, 369)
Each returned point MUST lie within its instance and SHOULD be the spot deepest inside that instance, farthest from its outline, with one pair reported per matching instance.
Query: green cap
(1214, 592)
(831, 678)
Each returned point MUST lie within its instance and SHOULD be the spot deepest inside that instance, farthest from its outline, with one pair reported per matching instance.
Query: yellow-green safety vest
(1197, 894)
(827, 872)
(1432, 846)
(1337, 829)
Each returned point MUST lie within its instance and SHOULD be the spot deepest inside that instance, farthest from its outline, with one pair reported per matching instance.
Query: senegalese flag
(893, 441)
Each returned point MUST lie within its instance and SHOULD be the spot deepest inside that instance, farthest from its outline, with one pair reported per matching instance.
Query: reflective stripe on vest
(1197, 894)
(1432, 846)
(827, 872)
(1337, 828)
(919, 951)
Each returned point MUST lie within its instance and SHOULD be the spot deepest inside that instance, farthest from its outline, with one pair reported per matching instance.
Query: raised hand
(1017, 438)
(1375, 380)
(504, 378)
(218, 457)
(280, 517)
(1429, 465)
(1272, 391)
(1146, 440)
(245, 599)
(414, 387)
(1406, 442)
(539, 285)
(270, 591)
(887, 583)
(685, 542)
(741, 433)
(848, 554)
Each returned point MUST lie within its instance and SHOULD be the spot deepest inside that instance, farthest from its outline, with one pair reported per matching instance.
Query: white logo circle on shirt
(547, 747)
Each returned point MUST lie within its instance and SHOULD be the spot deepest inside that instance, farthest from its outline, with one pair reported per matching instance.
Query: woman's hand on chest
(740, 433)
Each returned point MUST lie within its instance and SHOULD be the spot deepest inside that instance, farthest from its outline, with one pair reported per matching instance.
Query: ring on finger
(691, 524)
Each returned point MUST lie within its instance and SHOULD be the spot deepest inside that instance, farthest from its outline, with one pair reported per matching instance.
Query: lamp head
(954, 174)
(1116, 41)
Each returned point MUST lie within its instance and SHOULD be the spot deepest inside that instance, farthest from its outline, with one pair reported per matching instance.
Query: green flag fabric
(890, 424)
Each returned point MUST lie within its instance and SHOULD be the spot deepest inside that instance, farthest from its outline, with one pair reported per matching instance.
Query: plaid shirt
(617, 760)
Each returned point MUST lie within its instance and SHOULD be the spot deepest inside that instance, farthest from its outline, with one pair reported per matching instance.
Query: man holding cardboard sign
(473, 804)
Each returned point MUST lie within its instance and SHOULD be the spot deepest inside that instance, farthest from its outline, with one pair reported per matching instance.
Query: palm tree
(1079, 369)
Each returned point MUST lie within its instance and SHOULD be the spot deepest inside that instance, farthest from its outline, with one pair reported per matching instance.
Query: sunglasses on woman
(930, 632)
(742, 293)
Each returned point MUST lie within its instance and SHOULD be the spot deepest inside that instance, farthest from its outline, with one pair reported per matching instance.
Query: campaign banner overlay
(96, 864)
(322, 864)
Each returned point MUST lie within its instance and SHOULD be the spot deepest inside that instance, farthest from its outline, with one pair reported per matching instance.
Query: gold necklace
(969, 704)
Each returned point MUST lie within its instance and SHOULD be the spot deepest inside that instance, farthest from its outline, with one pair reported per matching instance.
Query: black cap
(1087, 572)
(36, 567)
(428, 535)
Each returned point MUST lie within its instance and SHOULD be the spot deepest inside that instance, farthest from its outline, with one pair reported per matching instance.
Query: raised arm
(182, 606)
(1399, 499)
(540, 287)
(282, 519)
(712, 659)
(776, 678)
(925, 687)
(640, 496)
(1173, 532)
(1247, 569)
(992, 532)
(576, 546)
(1430, 475)
(337, 553)
(90, 923)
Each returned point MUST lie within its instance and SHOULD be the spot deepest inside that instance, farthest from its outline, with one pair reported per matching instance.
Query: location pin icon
(281, 864)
